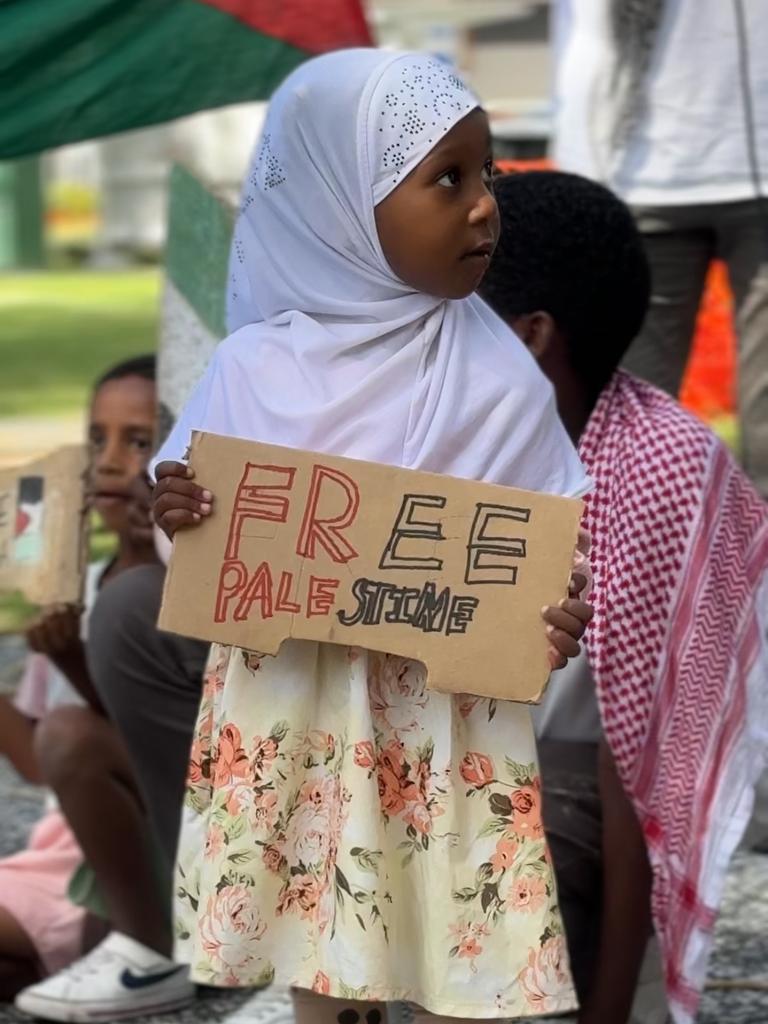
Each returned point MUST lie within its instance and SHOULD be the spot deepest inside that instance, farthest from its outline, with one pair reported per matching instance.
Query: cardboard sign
(42, 527)
(450, 572)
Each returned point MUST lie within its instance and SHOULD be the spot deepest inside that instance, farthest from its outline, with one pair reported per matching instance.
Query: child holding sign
(50, 735)
(347, 830)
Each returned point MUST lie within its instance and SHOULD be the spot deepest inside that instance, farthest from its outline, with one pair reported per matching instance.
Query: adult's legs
(743, 244)
(680, 245)
(84, 761)
(150, 683)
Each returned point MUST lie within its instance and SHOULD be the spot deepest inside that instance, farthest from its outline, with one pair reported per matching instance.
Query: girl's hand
(177, 501)
(566, 624)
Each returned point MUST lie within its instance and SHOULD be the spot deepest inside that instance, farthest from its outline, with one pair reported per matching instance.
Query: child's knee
(67, 743)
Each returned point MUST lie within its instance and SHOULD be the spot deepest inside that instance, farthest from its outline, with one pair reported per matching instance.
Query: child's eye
(489, 171)
(450, 179)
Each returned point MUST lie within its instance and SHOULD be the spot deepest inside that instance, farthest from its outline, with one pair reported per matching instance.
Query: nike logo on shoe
(134, 981)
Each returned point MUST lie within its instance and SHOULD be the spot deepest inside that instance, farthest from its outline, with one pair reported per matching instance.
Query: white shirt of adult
(690, 144)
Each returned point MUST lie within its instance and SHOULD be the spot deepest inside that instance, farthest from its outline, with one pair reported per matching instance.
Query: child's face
(439, 228)
(120, 435)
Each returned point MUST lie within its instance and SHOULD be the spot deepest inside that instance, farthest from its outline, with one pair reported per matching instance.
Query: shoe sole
(43, 1010)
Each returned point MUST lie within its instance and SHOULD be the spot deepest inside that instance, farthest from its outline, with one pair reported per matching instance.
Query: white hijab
(330, 351)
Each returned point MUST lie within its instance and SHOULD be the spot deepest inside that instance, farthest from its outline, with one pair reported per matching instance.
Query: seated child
(349, 832)
(650, 744)
(62, 737)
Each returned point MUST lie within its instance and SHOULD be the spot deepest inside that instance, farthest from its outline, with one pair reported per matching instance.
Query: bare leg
(84, 761)
(310, 1008)
(19, 965)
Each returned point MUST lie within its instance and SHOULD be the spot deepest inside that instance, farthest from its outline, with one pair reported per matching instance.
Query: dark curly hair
(138, 366)
(570, 248)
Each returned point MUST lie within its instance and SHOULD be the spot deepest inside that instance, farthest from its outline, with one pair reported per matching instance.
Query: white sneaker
(120, 978)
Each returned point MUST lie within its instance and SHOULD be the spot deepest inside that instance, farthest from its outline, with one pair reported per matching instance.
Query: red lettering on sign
(259, 590)
(255, 498)
(232, 579)
(320, 596)
(283, 604)
(328, 531)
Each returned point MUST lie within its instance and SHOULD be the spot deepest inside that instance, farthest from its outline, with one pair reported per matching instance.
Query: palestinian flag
(77, 69)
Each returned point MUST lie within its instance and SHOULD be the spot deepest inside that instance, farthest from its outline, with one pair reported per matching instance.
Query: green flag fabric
(78, 69)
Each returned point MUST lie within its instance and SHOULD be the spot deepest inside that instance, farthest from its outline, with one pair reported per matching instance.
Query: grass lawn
(60, 330)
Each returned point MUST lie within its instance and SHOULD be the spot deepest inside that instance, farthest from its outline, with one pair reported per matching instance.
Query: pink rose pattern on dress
(544, 975)
(476, 769)
(231, 928)
(517, 877)
(322, 984)
(277, 804)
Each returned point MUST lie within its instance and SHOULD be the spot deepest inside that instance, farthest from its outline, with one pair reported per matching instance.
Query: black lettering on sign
(431, 609)
(490, 558)
(375, 606)
(461, 614)
(406, 527)
(424, 609)
(359, 592)
(402, 602)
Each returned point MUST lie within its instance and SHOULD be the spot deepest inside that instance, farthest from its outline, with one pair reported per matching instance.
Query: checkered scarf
(679, 651)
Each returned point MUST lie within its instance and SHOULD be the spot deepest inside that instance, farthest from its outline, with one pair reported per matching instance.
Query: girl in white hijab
(347, 831)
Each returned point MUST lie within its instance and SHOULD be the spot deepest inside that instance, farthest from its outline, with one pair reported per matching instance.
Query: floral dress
(349, 831)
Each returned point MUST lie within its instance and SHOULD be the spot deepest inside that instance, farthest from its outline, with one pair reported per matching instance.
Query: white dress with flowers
(347, 830)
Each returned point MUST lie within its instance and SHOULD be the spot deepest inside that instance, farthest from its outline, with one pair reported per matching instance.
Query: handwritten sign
(450, 572)
(42, 527)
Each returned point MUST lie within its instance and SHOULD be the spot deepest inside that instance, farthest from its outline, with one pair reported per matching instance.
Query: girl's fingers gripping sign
(566, 625)
(178, 501)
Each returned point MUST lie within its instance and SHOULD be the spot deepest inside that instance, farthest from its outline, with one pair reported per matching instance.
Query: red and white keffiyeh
(679, 651)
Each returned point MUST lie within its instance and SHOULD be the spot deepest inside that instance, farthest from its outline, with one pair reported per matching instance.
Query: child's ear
(536, 330)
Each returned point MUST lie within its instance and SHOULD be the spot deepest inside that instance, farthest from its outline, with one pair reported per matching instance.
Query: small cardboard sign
(42, 527)
(450, 572)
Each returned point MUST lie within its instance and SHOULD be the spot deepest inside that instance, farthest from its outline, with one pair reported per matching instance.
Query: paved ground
(741, 946)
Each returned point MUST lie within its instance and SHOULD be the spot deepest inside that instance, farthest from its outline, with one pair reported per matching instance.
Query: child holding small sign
(347, 830)
(55, 732)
